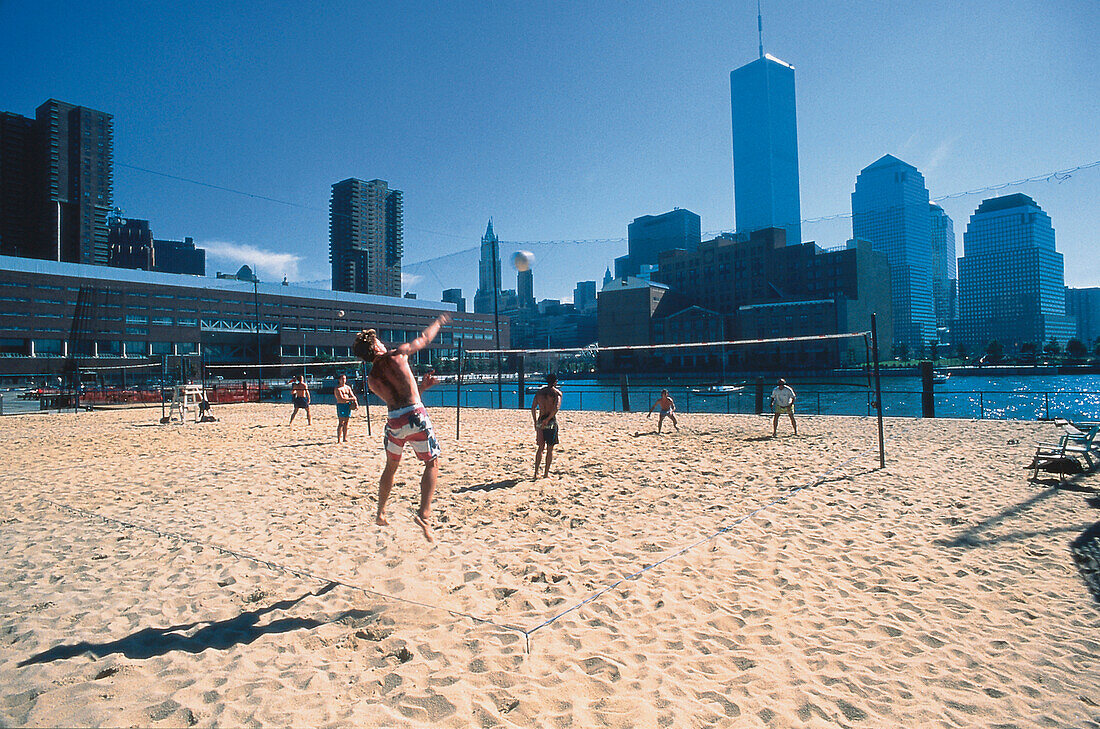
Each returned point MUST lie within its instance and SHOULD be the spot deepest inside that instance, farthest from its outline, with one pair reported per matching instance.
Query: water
(1076, 397)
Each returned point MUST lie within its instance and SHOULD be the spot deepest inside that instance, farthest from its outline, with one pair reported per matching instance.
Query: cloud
(939, 154)
(269, 265)
(410, 279)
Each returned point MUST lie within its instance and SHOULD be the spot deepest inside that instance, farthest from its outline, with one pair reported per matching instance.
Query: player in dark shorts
(544, 412)
(299, 395)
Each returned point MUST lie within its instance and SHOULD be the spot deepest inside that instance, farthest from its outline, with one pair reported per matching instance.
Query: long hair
(364, 345)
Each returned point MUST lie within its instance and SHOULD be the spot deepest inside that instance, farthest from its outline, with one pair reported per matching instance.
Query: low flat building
(101, 316)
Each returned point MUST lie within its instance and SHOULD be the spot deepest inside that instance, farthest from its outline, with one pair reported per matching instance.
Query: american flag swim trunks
(413, 426)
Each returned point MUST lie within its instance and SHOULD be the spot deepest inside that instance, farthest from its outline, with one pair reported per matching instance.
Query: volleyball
(340, 313)
(523, 260)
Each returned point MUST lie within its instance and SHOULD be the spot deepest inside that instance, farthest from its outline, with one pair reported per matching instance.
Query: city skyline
(563, 146)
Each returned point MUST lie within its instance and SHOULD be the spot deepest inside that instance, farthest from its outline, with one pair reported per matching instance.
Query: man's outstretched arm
(425, 337)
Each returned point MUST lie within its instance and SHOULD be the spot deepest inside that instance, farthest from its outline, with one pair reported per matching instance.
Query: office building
(487, 297)
(1011, 277)
(17, 220)
(890, 208)
(765, 148)
(1084, 306)
(757, 286)
(650, 235)
(111, 316)
(129, 243)
(525, 289)
(584, 297)
(56, 183)
(944, 276)
(179, 256)
(454, 296)
(366, 237)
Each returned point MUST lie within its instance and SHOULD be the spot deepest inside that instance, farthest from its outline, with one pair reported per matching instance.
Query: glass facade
(943, 266)
(890, 208)
(1011, 278)
(765, 148)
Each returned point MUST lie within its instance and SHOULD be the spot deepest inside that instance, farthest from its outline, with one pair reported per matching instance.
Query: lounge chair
(1064, 457)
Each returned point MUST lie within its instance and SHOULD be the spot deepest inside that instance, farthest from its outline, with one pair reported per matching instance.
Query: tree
(1028, 350)
(961, 350)
(994, 350)
(1076, 348)
(1052, 347)
(901, 350)
(933, 346)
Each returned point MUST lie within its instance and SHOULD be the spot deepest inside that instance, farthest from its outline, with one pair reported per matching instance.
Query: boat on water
(940, 377)
(716, 389)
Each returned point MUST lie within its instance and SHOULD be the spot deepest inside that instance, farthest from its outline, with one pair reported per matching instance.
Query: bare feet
(381, 520)
(424, 527)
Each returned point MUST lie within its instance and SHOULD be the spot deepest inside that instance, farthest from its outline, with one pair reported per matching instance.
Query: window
(162, 321)
(136, 319)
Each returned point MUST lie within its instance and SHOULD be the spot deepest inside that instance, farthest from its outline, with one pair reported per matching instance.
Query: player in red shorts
(392, 379)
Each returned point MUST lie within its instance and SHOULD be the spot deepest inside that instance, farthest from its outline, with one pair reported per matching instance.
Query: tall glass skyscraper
(1011, 278)
(765, 148)
(943, 266)
(890, 208)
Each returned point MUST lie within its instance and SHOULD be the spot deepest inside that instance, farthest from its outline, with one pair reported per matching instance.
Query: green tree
(994, 350)
(1028, 350)
(1076, 348)
(1052, 347)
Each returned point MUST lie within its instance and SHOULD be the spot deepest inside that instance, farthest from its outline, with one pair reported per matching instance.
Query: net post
(878, 390)
(624, 385)
(458, 395)
(519, 382)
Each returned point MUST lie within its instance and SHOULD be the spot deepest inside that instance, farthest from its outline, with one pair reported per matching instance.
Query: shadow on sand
(504, 484)
(219, 635)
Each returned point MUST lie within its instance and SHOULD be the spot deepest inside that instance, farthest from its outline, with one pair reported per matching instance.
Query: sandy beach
(230, 574)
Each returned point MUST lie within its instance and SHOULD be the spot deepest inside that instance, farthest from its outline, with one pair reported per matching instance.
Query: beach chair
(1065, 456)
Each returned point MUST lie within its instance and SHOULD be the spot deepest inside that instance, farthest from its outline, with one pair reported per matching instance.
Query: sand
(940, 591)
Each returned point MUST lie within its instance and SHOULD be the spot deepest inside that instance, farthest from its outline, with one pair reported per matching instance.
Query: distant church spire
(760, 27)
(489, 230)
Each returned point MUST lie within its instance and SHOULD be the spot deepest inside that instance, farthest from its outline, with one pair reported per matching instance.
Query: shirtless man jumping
(544, 411)
(392, 380)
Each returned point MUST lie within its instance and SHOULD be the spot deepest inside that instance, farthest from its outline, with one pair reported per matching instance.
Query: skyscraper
(765, 148)
(488, 273)
(454, 296)
(1011, 278)
(944, 288)
(649, 235)
(890, 208)
(584, 296)
(56, 183)
(525, 289)
(17, 222)
(366, 237)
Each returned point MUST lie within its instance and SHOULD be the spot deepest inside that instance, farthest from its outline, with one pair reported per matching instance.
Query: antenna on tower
(760, 27)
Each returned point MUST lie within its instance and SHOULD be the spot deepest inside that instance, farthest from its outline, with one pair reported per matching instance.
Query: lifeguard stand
(184, 398)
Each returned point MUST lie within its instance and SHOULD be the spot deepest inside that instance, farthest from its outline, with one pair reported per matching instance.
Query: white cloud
(269, 265)
(939, 154)
(410, 279)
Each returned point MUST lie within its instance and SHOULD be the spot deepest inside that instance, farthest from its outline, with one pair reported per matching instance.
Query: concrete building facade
(366, 237)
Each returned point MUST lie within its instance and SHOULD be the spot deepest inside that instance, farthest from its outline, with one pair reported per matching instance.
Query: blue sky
(561, 120)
